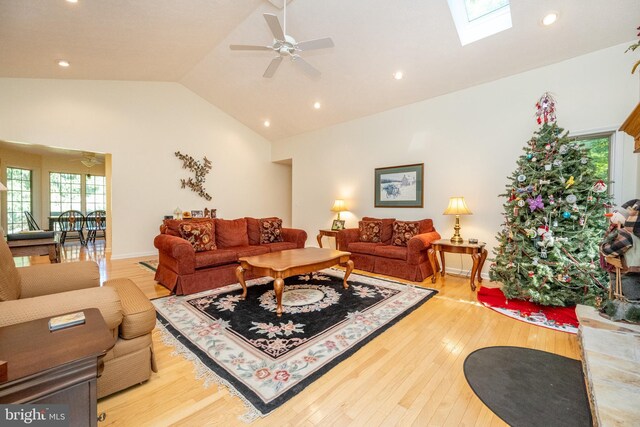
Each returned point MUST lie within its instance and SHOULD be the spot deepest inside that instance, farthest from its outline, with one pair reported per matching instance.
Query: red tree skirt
(559, 318)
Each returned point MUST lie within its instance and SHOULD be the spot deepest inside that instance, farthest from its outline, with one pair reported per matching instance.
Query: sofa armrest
(294, 235)
(46, 279)
(346, 236)
(419, 243)
(106, 300)
(178, 249)
(139, 315)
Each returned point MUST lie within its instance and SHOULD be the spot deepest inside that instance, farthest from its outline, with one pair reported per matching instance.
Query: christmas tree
(554, 221)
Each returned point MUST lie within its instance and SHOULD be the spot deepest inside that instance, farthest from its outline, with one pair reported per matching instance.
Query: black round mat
(528, 387)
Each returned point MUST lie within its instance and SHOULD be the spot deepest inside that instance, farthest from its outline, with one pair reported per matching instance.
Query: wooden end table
(58, 367)
(36, 247)
(327, 233)
(283, 264)
(476, 250)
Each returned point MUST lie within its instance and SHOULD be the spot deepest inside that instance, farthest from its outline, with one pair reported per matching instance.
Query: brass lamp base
(456, 232)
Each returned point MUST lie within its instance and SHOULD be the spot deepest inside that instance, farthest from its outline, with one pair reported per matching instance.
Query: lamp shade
(2, 187)
(339, 206)
(457, 206)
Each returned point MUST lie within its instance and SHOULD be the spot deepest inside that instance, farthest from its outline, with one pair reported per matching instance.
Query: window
(65, 192)
(95, 193)
(477, 19)
(18, 199)
(599, 151)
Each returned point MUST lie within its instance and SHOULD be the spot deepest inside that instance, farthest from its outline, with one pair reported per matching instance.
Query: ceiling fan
(286, 46)
(89, 160)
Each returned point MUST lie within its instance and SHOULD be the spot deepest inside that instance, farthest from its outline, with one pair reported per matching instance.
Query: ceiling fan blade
(248, 47)
(274, 26)
(315, 44)
(273, 67)
(306, 67)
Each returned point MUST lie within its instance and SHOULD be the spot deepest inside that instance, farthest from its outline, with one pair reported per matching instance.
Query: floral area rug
(559, 318)
(149, 265)
(266, 360)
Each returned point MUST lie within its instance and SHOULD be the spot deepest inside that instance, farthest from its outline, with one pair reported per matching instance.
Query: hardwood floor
(411, 375)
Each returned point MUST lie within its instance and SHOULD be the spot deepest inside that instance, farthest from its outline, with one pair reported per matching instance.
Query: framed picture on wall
(399, 186)
(338, 224)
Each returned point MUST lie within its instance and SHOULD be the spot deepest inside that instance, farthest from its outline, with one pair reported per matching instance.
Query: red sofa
(414, 262)
(182, 270)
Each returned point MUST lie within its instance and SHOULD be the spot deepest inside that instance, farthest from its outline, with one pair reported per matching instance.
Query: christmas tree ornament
(520, 203)
(563, 149)
(547, 167)
(534, 159)
(531, 233)
(547, 147)
(513, 195)
(599, 186)
(543, 254)
(552, 200)
(570, 182)
(581, 221)
(542, 230)
(535, 261)
(535, 203)
(529, 156)
(544, 181)
(584, 160)
(566, 215)
(557, 163)
(590, 199)
(530, 273)
(571, 198)
(546, 109)
(575, 208)
(555, 222)
(516, 211)
(522, 178)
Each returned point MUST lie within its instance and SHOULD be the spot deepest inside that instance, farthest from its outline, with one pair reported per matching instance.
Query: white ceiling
(187, 41)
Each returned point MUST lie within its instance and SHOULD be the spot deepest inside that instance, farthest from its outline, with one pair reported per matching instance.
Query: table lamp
(457, 207)
(339, 206)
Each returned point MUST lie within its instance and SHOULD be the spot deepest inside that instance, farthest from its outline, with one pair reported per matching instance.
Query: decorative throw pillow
(403, 231)
(370, 231)
(201, 235)
(270, 230)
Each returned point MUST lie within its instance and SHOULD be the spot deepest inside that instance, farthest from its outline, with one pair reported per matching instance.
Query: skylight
(477, 19)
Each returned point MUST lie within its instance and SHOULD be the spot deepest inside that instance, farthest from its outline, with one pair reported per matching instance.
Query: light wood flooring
(411, 375)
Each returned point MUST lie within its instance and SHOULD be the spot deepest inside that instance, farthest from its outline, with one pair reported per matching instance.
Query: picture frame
(197, 214)
(338, 224)
(399, 186)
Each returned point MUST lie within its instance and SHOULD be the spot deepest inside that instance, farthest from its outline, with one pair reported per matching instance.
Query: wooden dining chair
(96, 221)
(70, 221)
(33, 225)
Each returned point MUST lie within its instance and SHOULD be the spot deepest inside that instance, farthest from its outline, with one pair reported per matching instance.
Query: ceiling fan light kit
(286, 46)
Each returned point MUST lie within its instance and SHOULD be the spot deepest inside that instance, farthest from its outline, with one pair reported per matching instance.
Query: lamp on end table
(457, 207)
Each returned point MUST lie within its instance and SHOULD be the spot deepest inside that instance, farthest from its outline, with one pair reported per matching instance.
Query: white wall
(469, 142)
(142, 124)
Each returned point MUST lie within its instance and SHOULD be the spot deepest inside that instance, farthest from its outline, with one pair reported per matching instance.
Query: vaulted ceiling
(187, 41)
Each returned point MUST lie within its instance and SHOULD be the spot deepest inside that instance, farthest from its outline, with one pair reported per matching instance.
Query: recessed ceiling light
(72, 1)
(550, 18)
(63, 63)
(267, 123)
(398, 75)
(316, 105)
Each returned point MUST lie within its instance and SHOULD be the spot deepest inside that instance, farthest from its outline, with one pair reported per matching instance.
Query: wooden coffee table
(283, 264)
(35, 247)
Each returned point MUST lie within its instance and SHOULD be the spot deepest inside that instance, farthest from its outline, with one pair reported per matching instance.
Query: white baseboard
(134, 255)
(464, 273)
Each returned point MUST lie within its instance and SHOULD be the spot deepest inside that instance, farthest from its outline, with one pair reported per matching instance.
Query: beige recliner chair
(48, 290)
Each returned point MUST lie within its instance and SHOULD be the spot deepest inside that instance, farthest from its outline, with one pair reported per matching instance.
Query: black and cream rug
(266, 360)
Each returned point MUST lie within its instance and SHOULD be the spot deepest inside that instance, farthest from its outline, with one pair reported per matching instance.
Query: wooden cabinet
(59, 367)
(632, 127)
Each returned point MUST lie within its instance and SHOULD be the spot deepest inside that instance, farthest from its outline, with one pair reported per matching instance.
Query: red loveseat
(414, 262)
(182, 270)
